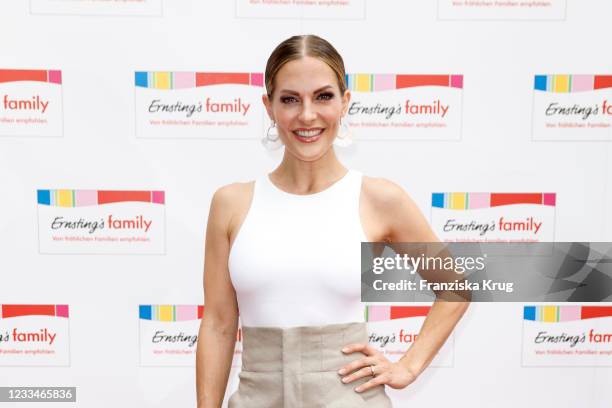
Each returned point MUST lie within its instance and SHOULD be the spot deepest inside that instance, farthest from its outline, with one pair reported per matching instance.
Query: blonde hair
(300, 46)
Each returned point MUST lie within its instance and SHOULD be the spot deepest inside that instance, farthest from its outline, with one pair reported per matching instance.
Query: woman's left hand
(374, 364)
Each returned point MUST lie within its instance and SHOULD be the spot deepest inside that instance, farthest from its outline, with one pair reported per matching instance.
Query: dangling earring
(271, 140)
(344, 137)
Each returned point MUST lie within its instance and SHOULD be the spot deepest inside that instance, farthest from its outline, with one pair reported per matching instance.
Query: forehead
(305, 75)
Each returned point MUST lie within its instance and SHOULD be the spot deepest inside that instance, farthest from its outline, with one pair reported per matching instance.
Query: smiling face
(307, 106)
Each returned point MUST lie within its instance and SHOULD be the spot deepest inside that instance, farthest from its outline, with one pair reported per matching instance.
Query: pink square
(384, 82)
(55, 77)
(61, 310)
(479, 200)
(158, 197)
(569, 313)
(549, 199)
(257, 79)
(182, 80)
(186, 312)
(582, 83)
(85, 197)
(456, 81)
(378, 313)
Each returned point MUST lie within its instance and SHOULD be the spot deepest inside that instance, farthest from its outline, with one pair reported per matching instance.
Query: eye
(287, 99)
(326, 96)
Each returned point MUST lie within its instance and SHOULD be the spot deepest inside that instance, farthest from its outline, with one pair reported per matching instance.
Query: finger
(374, 382)
(370, 350)
(365, 348)
(351, 348)
(363, 372)
(354, 365)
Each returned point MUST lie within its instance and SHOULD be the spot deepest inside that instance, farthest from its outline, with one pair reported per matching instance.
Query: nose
(307, 113)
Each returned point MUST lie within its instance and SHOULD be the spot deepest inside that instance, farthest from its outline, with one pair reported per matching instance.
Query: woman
(285, 249)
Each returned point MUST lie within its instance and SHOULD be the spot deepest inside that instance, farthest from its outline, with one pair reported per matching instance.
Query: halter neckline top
(296, 260)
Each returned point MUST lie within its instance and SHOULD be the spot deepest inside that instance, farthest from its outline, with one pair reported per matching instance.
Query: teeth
(308, 133)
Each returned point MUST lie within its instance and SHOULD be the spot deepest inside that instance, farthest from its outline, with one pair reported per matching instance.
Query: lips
(308, 135)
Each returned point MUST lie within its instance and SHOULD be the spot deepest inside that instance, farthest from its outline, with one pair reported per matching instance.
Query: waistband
(300, 349)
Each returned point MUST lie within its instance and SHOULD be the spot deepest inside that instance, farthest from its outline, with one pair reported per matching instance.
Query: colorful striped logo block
(8, 311)
(469, 201)
(186, 80)
(565, 313)
(386, 82)
(571, 83)
(37, 75)
(83, 198)
(170, 313)
(383, 313)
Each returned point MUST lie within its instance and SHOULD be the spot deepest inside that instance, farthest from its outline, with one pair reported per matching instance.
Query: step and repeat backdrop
(119, 119)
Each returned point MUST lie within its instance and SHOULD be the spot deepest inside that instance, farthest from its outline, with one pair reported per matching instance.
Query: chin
(309, 153)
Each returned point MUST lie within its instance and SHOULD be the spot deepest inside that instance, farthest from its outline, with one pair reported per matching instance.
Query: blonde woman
(285, 250)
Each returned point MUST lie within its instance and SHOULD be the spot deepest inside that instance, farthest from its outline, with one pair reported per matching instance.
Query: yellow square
(457, 201)
(166, 313)
(64, 198)
(561, 83)
(362, 83)
(162, 80)
(549, 314)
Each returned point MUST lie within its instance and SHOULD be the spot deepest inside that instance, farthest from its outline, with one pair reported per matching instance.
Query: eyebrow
(297, 93)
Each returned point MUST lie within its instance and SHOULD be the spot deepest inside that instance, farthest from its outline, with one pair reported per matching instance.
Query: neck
(308, 177)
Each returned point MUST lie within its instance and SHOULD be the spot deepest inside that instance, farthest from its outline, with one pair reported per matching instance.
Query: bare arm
(404, 222)
(217, 335)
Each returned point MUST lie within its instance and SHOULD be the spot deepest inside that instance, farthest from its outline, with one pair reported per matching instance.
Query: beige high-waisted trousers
(297, 367)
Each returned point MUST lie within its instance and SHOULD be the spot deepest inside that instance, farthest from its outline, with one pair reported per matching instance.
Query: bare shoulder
(392, 207)
(383, 193)
(231, 198)
(229, 205)
(233, 193)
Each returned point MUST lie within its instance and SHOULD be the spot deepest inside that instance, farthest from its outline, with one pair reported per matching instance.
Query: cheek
(283, 117)
(331, 116)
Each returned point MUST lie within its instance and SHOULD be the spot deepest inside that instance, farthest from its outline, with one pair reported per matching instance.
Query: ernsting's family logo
(207, 106)
(34, 335)
(169, 334)
(394, 106)
(529, 224)
(494, 217)
(198, 104)
(31, 102)
(101, 221)
(572, 107)
(567, 335)
(138, 223)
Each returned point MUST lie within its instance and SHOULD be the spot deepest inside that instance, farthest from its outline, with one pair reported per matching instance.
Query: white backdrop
(98, 55)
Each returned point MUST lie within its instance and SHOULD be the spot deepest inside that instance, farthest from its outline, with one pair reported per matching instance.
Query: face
(307, 107)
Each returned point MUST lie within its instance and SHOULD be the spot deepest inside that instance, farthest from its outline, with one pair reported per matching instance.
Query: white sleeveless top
(296, 260)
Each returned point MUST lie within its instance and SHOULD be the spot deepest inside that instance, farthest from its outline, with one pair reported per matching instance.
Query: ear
(346, 99)
(268, 105)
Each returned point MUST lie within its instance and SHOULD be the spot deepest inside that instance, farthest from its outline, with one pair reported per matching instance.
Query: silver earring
(344, 137)
(271, 140)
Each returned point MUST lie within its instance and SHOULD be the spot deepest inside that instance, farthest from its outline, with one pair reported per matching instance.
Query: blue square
(540, 83)
(144, 312)
(44, 197)
(529, 313)
(437, 200)
(142, 79)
